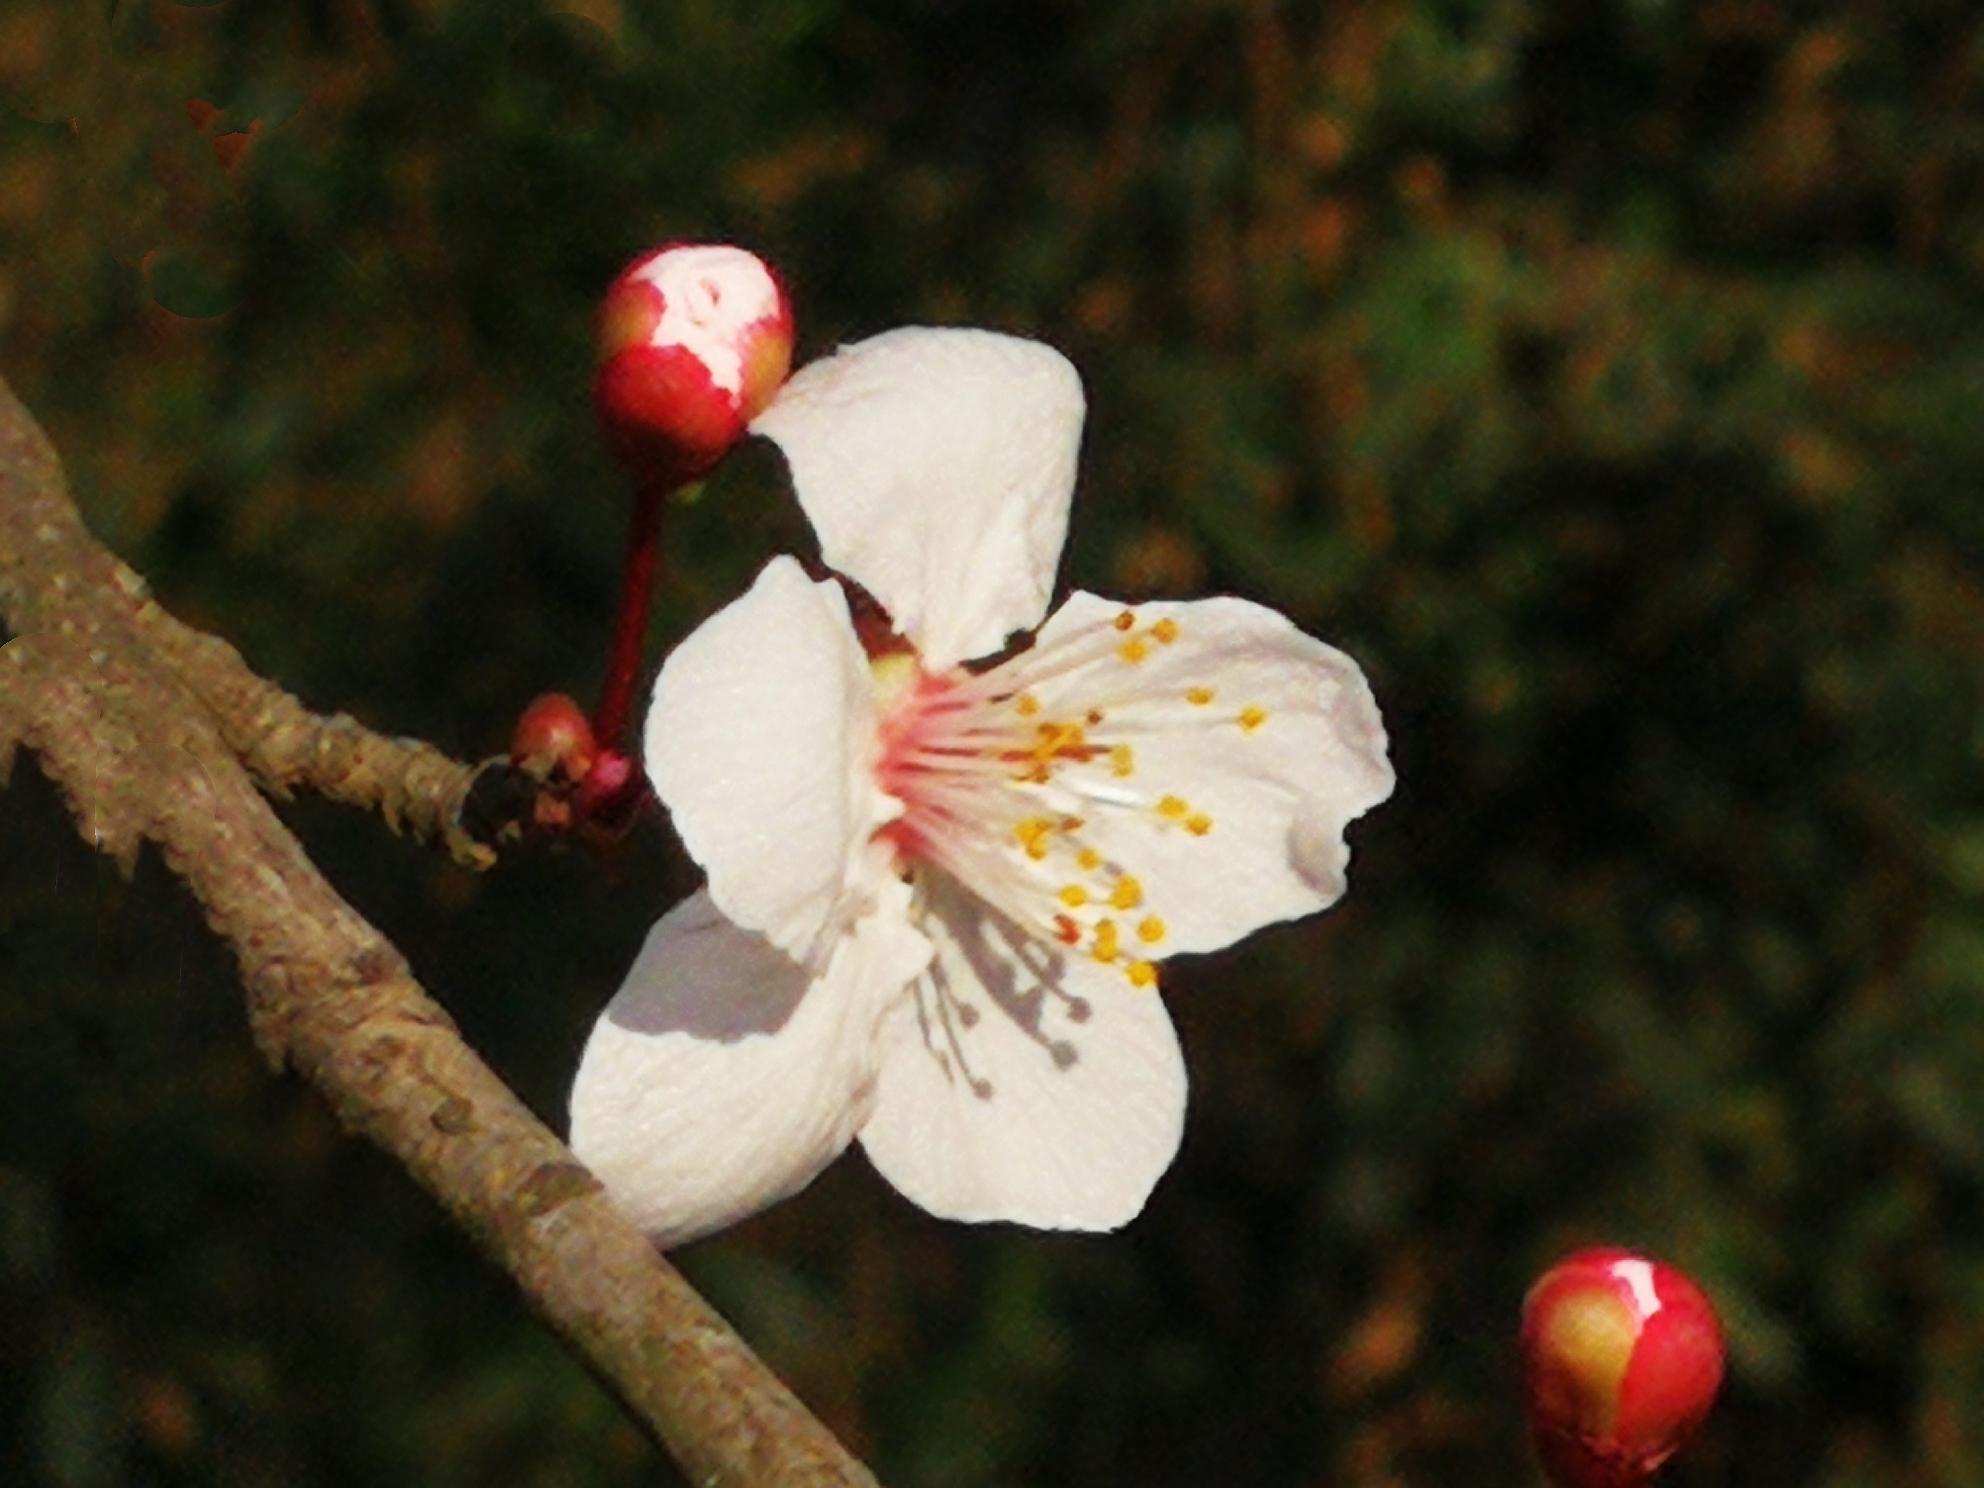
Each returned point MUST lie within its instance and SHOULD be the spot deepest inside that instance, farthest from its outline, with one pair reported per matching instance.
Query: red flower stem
(623, 665)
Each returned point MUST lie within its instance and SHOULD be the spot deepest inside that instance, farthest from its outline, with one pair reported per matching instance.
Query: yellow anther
(1089, 859)
(1172, 806)
(1074, 896)
(1127, 894)
(1069, 824)
(1133, 650)
(1032, 834)
(1150, 930)
(1166, 630)
(1026, 704)
(1122, 763)
(1198, 697)
(1106, 947)
(1052, 742)
(1126, 621)
(1061, 741)
(1252, 718)
(1198, 824)
(1141, 974)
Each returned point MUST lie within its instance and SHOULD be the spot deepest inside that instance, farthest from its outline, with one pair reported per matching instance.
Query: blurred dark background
(1607, 377)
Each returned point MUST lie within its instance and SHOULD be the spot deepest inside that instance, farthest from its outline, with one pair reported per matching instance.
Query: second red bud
(1622, 1357)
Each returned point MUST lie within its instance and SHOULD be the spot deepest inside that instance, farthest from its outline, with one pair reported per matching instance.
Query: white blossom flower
(938, 891)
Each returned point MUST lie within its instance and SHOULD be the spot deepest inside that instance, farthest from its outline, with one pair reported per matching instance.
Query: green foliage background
(1606, 377)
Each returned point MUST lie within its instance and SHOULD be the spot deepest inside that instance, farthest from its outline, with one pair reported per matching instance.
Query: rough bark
(156, 732)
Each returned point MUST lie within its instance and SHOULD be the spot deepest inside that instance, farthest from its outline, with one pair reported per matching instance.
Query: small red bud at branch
(553, 739)
(1622, 1358)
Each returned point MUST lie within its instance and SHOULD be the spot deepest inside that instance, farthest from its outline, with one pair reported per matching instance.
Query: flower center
(1007, 776)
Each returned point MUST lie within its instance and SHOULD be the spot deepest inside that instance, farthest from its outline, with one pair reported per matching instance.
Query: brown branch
(145, 726)
(57, 580)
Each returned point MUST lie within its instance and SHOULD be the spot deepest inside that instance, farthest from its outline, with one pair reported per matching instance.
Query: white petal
(936, 466)
(721, 1077)
(1023, 1083)
(760, 742)
(1229, 811)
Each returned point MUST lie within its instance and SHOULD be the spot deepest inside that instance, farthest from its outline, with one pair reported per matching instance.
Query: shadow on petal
(721, 1077)
(1318, 852)
(1020, 973)
(1022, 1082)
(709, 979)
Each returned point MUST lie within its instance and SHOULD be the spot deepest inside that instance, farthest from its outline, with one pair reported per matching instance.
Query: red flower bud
(694, 341)
(1622, 1357)
(553, 737)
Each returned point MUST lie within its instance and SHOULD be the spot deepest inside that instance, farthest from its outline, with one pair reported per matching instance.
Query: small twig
(146, 726)
(414, 786)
